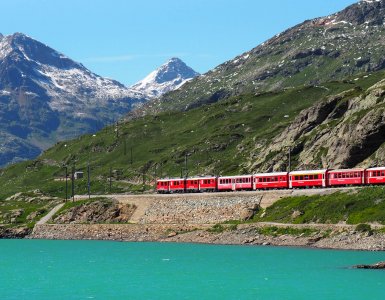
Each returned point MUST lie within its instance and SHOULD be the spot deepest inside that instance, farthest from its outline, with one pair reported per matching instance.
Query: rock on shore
(380, 265)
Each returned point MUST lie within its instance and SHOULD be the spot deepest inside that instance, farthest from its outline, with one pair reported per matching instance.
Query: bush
(364, 228)
(217, 228)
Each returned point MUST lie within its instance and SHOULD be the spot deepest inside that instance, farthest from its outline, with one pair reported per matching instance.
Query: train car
(177, 185)
(375, 175)
(163, 186)
(235, 183)
(346, 177)
(208, 184)
(306, 179)
(192, 185)
(278, 180)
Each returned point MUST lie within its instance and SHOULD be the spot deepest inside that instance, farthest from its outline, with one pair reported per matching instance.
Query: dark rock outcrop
(380, 265)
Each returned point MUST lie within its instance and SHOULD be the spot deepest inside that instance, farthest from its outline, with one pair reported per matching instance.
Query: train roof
(272, 174)
(376, 169)
(236, 176)
(170, 179)
(347, 170)
(200, 178)
(305, 172)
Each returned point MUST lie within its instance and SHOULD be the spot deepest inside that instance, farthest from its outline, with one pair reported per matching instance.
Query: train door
(233, 184)
(323, 180)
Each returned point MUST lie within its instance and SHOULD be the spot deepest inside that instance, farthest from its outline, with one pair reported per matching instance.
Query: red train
(280, 180)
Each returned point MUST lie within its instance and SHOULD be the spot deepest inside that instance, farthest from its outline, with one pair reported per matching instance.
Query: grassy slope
(365, 206)
(217, 138)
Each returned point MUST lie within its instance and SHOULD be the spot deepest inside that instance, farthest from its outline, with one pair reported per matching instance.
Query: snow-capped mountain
(168, 77)
(46, 97)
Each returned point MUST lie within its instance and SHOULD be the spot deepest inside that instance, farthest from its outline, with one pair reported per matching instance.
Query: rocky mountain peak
(169, 76)
(371, 12)
(26, 48)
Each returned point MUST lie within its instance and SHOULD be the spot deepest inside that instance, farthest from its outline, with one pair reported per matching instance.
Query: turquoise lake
(39, 269)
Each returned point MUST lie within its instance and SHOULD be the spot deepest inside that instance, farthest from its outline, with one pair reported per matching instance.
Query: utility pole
(89, 180)
(131, 155)
(144, 180)
(117, 129)
(66, 177)
(110, 179)
(185, 166)
(125, 147)
(73, 182)
(289, 160)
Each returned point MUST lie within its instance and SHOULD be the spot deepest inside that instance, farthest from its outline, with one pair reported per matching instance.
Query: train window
(296, 177)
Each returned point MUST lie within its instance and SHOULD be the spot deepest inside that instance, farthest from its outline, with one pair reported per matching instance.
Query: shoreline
(244, 234)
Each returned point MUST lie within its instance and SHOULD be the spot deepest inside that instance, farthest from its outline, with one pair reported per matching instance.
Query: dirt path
(48, 216)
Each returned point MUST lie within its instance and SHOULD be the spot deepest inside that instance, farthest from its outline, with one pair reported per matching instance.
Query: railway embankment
(215, 218)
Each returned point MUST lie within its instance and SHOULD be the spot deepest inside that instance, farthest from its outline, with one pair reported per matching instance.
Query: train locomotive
(279, 180)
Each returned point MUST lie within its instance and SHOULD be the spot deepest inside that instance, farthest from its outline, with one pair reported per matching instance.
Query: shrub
(217, 228)
(364, 228)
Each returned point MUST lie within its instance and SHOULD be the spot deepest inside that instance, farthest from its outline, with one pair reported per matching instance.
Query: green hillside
(217, 139)
(363, 206)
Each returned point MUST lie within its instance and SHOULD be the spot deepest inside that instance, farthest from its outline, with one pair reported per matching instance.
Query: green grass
(277, 231)
(364, 206)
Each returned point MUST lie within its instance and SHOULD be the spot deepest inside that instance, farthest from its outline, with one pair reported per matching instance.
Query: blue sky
(125, 40)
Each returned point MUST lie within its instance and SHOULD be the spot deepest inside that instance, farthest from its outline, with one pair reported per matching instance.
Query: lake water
(38, 269)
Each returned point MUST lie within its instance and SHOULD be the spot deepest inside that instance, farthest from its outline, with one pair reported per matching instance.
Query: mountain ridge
(315, 51)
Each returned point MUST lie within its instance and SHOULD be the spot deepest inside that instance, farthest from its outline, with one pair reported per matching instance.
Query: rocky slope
(46, 97)
(319, 50)
(168, 77)
(343, 131)
(99, 211)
